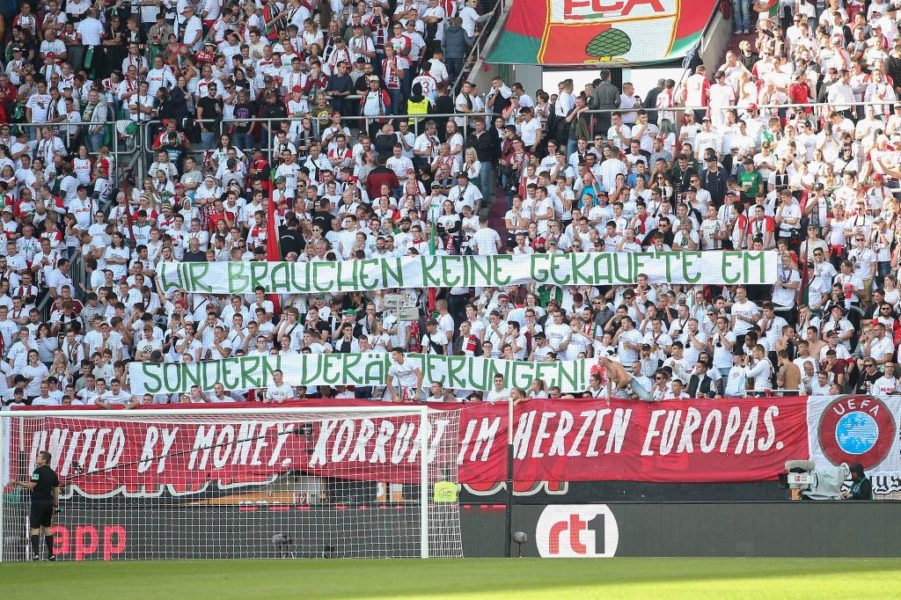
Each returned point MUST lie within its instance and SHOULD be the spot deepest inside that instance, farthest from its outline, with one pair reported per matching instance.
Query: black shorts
(41, 514)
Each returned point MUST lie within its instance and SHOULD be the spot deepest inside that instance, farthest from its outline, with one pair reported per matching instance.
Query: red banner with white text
(735, 440)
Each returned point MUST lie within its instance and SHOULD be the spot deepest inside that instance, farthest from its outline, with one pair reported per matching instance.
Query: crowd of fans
(792, 144)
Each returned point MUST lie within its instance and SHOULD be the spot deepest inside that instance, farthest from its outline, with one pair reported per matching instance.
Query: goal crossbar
(234, 412)
(36, 427)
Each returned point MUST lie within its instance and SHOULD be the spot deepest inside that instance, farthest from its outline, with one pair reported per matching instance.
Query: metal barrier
(773, 392)
(352, 122)
(119, 152)
(487, 22)
(736, 107)
(78, 273)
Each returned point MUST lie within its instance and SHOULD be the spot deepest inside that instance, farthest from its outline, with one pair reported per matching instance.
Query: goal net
(341, 482)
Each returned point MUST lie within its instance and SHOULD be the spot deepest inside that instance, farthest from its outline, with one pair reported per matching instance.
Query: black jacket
(715, 184)
(290, 240)
(862, 489)
(444, 105)
(701, 386)
(487, 146)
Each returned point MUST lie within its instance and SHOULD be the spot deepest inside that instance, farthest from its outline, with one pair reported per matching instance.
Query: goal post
(268, 482)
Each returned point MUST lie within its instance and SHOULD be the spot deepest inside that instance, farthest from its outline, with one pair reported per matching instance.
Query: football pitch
(523, 579)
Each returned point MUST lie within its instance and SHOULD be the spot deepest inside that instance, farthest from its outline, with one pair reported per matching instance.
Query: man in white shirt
(530, 130)
(49, 146)
(841, 94)
(486, 241)
(89, 29)
(279, 391)
(744, 313)
(405, 375)
(619, 133)
(887, 385)
(115, 395)
(38, 104)
(192, 31)
(465, 194)
(736, 381)
(160, 76)
(722, 96)
(758, 370)
(434, 17)
(498, 392)
(44, 397)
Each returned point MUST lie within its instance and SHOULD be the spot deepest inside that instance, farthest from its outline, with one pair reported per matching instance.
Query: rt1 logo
(577, 531)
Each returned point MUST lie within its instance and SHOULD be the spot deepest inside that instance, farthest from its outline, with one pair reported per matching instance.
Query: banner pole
(508, 517)
(424, 483)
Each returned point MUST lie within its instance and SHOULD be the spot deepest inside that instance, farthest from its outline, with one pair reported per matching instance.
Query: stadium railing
(487, 22)
(352, 122)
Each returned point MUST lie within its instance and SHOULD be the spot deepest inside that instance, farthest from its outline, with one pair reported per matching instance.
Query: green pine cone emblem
(612, 42)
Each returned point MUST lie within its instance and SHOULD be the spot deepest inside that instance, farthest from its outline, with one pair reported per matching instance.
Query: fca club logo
(856, 429)
(576, 531)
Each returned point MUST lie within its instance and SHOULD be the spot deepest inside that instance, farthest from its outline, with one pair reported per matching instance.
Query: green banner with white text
(362, 369)
(588, 268)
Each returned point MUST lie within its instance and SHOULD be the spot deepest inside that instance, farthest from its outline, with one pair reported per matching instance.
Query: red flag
(273, 248)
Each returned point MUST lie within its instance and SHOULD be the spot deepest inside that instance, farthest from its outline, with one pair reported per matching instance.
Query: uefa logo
(856, 429)
(576, 531)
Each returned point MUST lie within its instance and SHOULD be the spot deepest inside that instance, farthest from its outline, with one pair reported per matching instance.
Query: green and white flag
(588, 268)
(363, 369)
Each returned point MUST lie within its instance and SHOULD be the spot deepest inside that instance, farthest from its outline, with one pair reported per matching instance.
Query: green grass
(522, 579)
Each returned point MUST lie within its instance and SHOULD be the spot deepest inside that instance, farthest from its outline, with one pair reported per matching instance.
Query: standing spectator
(604, 97)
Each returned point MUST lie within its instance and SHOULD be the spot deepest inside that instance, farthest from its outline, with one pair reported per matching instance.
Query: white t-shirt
(529, 131)
(279, 393)
(486, 240)
(404, 374)
(746, 309)
(91, 30)
(192, 26)
(884, 386)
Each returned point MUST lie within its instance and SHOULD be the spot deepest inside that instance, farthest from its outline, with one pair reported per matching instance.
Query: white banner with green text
(362, 369)
(581, 268)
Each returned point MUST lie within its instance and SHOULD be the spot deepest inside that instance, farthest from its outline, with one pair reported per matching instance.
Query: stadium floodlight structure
(268, 482)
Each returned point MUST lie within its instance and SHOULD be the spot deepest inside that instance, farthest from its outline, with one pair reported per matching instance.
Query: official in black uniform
(44, 486)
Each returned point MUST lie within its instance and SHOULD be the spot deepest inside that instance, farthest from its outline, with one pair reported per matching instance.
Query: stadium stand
(136, 134)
